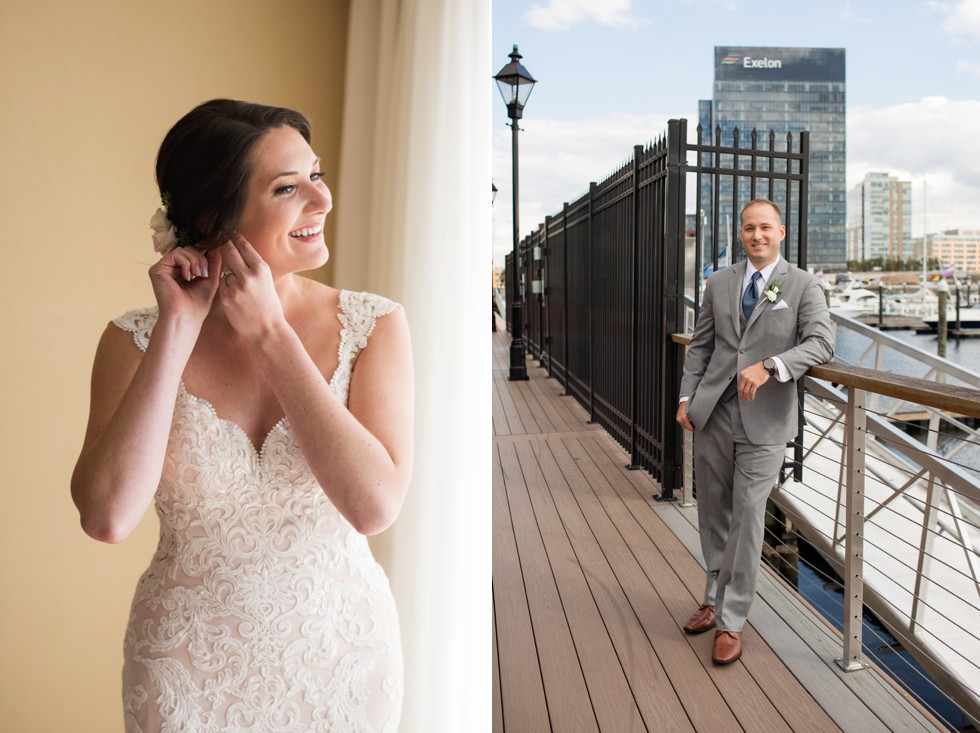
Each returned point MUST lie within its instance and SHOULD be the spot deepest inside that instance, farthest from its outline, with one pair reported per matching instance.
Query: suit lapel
(778, 275)
(735, 293)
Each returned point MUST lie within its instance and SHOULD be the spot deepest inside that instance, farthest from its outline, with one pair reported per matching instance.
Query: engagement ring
(226, 273)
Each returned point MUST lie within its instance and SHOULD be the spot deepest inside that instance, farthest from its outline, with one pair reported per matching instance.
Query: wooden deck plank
(746, 701)
(522, 700)
(501, 353)
(497, 711)
(607, 687)
(624, 595)
(515, 426)
(566, 408)
(664, 589)
(530, 409)
(562, 420)
(624, 572)
(501, 425)
(839, 694)
(794, 704)
(559, 655)
(574, 411)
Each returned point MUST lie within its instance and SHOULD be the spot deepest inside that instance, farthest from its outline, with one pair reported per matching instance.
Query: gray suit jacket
(800, 333)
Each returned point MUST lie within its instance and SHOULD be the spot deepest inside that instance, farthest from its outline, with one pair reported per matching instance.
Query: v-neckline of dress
(258, 451)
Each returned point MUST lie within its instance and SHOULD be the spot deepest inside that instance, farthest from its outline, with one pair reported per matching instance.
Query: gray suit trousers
(734, 479)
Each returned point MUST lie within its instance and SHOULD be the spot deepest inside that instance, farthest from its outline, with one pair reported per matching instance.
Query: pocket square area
(780, 305)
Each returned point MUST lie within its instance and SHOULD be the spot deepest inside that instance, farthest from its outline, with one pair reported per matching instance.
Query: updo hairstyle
(204, 165)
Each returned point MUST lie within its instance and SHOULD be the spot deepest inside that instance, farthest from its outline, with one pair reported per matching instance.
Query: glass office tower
(787, 90)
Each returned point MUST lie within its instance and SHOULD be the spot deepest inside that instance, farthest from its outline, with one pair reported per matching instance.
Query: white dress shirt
(782, 373)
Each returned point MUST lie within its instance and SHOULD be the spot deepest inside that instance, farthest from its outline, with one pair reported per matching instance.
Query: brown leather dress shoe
(702, 620)
(727, 647)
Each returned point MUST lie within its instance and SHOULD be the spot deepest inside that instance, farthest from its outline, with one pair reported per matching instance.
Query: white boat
(969, 317)
(853, 301)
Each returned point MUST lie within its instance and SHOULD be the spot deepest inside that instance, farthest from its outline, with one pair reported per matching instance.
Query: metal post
(804, 197)
(564, 320)
(634, 375)
(930, 526)
(672, 264)
(593, 187)
(881, 305)
(855, 433)
(942, 290)
(518, 361)
(801, 258)
(959, 327)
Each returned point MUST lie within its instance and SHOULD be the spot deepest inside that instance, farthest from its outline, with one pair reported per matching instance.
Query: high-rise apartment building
(788, 90)
(879, 219)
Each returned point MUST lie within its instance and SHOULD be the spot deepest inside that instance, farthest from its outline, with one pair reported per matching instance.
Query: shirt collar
(766, 271)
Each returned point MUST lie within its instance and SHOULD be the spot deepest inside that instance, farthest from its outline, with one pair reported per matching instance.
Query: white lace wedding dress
(262, 609)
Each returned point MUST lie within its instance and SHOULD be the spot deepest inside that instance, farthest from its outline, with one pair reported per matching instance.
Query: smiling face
(286, 203)
(761, 233)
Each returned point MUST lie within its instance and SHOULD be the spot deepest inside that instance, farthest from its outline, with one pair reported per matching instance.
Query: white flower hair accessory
(166, 236)
(772, 291)
(164, 233)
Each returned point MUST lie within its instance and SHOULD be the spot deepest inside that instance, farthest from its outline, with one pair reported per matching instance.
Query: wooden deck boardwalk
(593, 579)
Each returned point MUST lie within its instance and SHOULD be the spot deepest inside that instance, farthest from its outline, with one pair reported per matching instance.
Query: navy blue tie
(751, 296)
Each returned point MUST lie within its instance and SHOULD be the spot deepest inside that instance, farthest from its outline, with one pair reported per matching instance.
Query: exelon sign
(778, 63)
(747, 62)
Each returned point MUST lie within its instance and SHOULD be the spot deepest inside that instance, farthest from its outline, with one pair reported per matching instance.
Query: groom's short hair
(764, 202)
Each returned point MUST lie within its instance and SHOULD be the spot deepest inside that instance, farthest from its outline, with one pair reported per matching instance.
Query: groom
(763, 323)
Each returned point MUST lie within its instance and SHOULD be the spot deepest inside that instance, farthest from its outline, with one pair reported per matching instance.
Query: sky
(612, 72)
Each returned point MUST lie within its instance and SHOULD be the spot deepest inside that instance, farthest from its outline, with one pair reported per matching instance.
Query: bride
(269, 418)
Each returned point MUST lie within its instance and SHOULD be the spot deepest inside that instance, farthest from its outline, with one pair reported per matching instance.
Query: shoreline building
(959, 248)
(879, 219)
(786, 90)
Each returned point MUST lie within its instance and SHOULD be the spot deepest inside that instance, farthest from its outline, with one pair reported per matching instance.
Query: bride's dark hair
(204, 165)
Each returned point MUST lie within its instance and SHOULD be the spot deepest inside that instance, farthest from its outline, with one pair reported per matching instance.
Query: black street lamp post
(515, 84)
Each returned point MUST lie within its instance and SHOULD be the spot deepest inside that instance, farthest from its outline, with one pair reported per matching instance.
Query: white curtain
(413, 223)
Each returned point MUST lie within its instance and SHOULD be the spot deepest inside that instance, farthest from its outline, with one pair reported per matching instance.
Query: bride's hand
(248, 293)
(185, 281)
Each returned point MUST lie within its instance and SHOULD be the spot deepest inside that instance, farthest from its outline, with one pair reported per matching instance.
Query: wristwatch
(770, 366)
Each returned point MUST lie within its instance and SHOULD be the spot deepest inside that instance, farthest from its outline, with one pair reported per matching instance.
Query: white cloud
(560, 15)
(557, 161)
(928, 141)
(848, 14)
(968, 67)
(962, 18)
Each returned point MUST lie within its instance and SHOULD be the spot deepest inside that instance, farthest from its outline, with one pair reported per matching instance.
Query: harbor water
(964, 352)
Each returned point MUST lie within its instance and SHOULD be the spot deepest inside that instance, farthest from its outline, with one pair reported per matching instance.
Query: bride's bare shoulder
(320, 299)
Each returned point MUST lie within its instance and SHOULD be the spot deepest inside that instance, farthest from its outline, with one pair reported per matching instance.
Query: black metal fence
(603, 280)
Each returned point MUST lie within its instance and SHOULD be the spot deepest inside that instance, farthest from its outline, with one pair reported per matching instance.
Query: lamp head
(515, 84)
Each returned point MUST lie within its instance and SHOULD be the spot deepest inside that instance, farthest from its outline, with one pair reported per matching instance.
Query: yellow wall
(87, 91)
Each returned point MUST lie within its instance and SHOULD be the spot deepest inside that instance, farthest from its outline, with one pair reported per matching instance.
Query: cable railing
(898, 518)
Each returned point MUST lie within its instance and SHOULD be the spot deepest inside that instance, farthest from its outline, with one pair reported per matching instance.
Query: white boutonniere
(772, 291)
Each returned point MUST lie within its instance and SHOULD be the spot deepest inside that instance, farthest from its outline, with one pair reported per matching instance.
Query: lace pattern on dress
(262, 609)
(358, 313)
(140, 323)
